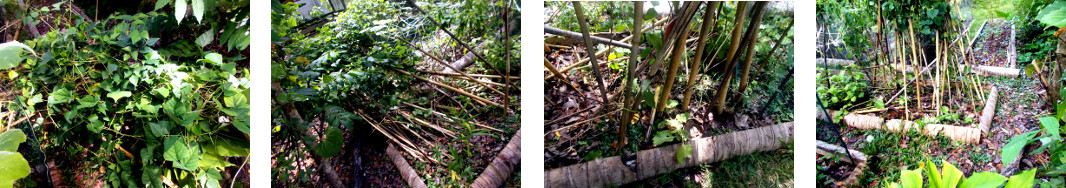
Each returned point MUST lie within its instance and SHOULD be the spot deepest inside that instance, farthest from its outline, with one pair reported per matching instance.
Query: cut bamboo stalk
(723, 86)
(675, 62)
(457, 90)
(989, 110)
(576, 35)
(580, 12)
(613, 171)
(419, 121)
(456, 39)
(604, 51)
(749, 56)
(468, 74)
(445, 117)
(554, 71)
(445, 64)
(501, 167)
(694, 65)
(408, 174)
(628, 98)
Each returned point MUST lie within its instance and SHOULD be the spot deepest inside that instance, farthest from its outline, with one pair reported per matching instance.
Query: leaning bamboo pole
(323, 165)
(749, 56)
(694, 65)
(613, 171)
(589, 46)
(457, 90)
(501, 167)
(468, 74)
(734, 46)
(675, 62)
(604, 51)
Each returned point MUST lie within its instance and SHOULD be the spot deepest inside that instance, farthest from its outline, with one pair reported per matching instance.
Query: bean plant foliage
(150, 111)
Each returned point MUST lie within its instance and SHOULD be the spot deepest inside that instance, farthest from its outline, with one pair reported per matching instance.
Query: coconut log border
(613, 171)
(971, 135)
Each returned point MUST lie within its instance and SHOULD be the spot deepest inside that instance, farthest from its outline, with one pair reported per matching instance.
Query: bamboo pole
(450, 74)
(749, 56)
(604, 51)
(445, 86)
(675, 62)
(322, 163)
(694, 65)
(456, 39)
(723, 85)
(628, 97)
(589, 45)
(445, 64)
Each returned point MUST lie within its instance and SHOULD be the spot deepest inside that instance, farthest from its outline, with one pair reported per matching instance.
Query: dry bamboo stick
(445, 64)
(604, 51)
(457, 90)
(589, 46)
(414, 119)
(442, 115)
(468, 74)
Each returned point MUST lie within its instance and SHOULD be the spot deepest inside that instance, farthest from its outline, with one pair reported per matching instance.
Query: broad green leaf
(59, 96)
(161, 3)
(160, 128)
(95, 125)
(150, 176)
(331, 145)
(651, 13)
(198, 10)
(1023, 180)
(11, 54)
(183, 154)
(950, 175)
(1054, 14)
(1051, 126)
(14, 167)
(662, 137)
(934, 174)
(116, 95)
(206, 38)
(983, 180)
(911, 178)
(683, 153)
(10, 140)
(1014, 147)
(180, 8)
(214, 58)
(231, 148)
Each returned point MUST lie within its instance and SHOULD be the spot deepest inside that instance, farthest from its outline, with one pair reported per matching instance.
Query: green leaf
(198, 10)
(1054, 14)
(14, 167)
(662, 137)
(1014, 147)
(119, 95)
(331, 145)
(934, 174)
(59, 96)
(10, 140)
(95, 125)
(983, 180)
(180, 8)
(150, 176)
(651, 13)
(206, 38)
(1051, 126)
(951, 175)
(11, 54)
(161, 3)
(214, 58)
(231, 148)
(911, 178)
(160, 128)
(184, 155)
(683, 153)
(1023, 180)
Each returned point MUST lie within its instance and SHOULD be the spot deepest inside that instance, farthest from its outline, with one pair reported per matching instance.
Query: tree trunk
(1057, 71)
(989, 111)
(962, 134)
(500, 169)
(701, 44)
(613, 171)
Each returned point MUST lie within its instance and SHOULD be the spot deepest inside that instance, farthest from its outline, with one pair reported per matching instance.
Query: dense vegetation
(130, 99)
(375, 70)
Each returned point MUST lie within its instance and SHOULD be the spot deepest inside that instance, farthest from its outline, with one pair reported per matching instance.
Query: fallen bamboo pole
(442, 115)
(414, 119)
(860, 163)
(576, 35)
(445, 64)
(502, 166)
(613, 171)
(457, 90)
(604, 51)
(408, 174)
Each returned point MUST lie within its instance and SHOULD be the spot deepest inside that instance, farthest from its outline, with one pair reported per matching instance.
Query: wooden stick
(457, 90)
(580, 12)
(604, 51)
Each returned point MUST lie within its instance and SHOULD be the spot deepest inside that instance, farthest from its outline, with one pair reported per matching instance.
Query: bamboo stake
(456, 39)
(694, 65)
(749, 57)
(450, 74)
(589, 45)
(627, 95)
(417, 120)
(457, 90)
(723, 85)
(446, 118)
(675, 62)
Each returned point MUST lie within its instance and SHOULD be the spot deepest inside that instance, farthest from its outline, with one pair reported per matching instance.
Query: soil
(992, 48)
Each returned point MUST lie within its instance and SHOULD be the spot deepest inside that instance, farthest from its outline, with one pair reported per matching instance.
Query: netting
(827, 131)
